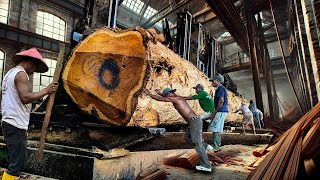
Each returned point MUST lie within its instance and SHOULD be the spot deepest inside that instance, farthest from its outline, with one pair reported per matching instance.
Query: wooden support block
(171, 159)
(188, 160)
(260, 151)
(153, 172)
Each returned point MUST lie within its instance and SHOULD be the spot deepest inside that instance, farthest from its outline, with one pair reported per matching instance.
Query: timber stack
(107, 72)
(295, 153)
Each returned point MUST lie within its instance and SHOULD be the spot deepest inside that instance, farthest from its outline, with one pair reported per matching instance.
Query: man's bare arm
(220, 103)
(158, 98)
(26, 97)
(188, 98)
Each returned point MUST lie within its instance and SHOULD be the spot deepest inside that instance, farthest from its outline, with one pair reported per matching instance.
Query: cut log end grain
(105, 74)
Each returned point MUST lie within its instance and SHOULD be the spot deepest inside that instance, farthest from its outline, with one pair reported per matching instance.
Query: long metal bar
(311, 49)
(303, 52)
(266, 67)
(166, 11)
(283, 57)
(113, 11)
(186, 36)
(189, 34)
(253, 56)
(199, 44)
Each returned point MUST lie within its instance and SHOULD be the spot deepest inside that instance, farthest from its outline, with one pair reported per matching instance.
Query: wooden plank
(45, 124)
(273, 166)
(171, 159)
(260, 151)
(188, 160)
(292, 168)
(311, 136)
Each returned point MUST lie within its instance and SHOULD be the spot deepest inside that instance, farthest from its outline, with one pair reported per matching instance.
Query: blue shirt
(253, 107)
(221, 92)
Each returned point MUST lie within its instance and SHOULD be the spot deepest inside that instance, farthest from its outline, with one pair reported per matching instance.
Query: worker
(194, 121)
(205, 100)
(253, 109)
(247, 117)
(260, 117)
(16, 106)
(219, 113)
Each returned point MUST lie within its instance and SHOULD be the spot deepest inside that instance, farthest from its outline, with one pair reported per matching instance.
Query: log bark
(108, 70)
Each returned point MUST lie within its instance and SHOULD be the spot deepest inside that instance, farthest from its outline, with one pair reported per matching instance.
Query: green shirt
(205, 101)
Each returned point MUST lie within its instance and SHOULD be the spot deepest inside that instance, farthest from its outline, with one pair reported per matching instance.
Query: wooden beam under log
(175, 140)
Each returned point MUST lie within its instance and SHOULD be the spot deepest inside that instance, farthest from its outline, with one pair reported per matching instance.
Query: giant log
(107, 71)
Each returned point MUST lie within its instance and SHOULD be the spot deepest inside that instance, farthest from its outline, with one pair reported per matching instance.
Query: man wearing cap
(205, 100)
(220, 112)
(194, 121)
(16, 107)
(247, 117)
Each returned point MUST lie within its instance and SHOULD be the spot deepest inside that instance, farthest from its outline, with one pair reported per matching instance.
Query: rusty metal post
(267, 69)
(253, 56)
(311, 49)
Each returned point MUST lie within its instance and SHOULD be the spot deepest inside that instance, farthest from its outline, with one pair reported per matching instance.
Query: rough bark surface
(108, 70)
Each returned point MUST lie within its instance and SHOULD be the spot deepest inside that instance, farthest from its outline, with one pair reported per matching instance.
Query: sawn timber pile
(107, 71)
(296, 155)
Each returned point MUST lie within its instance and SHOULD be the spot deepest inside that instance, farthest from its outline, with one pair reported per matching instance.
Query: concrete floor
(129, 166)
(221, 172)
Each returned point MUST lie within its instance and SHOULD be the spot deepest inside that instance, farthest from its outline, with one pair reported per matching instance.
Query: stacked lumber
(299, 145)
(107, 71)
(153, 172)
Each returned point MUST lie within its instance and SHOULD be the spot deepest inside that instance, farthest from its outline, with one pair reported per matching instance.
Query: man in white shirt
(16, 107)
(247, 116)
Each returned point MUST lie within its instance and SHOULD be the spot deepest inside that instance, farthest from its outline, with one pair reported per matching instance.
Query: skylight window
(135, 5)
(150, 12)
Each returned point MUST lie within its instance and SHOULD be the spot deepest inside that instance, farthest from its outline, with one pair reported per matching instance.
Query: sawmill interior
(172, 89)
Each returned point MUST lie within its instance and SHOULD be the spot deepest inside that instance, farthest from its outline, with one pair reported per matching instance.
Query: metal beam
(311, 49)
(230, 18)
(30, 39)
(70, 6)
(206, 15)
(164, 13)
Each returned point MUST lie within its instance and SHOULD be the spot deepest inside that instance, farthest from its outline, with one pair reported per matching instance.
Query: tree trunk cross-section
(108, 70)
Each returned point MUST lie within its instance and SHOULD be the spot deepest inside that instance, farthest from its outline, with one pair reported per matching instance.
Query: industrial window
(50, 26)
(150, 12)
(4, 9)
(135, 5)
(42, 80)
(159, 25)
(271, 53)
(2, 56)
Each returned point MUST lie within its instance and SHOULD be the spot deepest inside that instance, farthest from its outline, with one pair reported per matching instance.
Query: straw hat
(32, 54)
